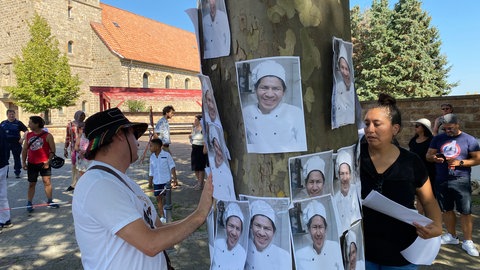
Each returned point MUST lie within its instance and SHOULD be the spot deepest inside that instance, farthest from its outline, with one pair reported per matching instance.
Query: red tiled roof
(134, 37)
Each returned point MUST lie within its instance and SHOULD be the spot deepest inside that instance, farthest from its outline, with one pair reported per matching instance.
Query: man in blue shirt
(12, 128)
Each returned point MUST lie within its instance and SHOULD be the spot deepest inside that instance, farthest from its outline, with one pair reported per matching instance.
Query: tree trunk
(267, 28)
(46, 115)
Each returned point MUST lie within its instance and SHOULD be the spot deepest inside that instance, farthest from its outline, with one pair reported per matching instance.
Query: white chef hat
(312, 209)
(313, 163)
(260, 207)
(343, 53)
(268, 68)
(343, 156)
(233, 210)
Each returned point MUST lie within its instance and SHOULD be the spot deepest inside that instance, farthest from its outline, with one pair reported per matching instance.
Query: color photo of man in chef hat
(232, 236)
(269, 243)
(314, 178)
(346, 198)
(352, 248)
(321, 249)
(272, 105)
(223, 188)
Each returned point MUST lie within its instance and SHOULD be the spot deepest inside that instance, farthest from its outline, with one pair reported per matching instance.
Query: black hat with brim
(106, 124)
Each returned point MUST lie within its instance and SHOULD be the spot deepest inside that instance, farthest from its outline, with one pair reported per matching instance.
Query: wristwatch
(461, 163)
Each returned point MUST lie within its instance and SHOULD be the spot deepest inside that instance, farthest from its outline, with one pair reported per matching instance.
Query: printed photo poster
(270, 93)
(311, 175)
(316, 238)
(269, 235)
(215, 28)
(211, 228)
(223, 188)
(231, 240)
(347, 187)
(343, 94)
(352, 248)
(209, 105)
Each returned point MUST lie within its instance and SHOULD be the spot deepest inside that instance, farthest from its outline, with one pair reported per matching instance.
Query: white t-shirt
(102, 206)
(161, 167)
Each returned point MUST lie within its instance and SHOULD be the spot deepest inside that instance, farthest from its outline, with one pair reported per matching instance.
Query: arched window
(69, 12)
(187, 83)
(168, 81)
(70, 46)
(84, 106)
(145, 80)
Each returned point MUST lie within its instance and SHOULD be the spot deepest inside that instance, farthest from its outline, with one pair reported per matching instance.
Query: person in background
(161, 171)
(321, 253)
(4, 206)
(455, 153)
(419, 145)
(38, 150)
(70, 140)
(399, 175)
(12, 127)
(81, 145)
(437, 125)
(198, 156)
(111, 211)
(162, 131)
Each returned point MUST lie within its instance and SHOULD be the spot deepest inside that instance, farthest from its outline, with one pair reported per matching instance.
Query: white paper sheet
(422, 251)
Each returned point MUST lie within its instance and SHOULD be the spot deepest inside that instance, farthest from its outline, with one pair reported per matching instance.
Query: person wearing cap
(37, 153)
(461, 152)
(216, 32)
(273, 125)
(344, 93)
(229, 253)
(437, 125)
(222, 176)
(314, 176)
(346, 198)
(116, 224)
(353, 260)
(262, 252)
(419, 144)
(322, 253)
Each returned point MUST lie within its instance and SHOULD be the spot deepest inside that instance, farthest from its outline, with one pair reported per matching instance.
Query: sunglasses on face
(417, 125)
(445, 109)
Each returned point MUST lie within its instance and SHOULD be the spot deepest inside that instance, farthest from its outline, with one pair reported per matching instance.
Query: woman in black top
(399, 175)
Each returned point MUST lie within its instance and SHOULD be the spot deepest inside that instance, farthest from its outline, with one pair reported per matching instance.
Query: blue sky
(457, 22)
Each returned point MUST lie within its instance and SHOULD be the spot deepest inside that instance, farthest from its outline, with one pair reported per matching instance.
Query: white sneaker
(448, 239)
(163, 220)
(470, 248)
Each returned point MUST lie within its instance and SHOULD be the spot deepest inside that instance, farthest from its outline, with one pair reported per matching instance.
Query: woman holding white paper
(399, 175)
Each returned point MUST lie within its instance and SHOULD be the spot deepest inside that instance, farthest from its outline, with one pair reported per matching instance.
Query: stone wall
(465, 107)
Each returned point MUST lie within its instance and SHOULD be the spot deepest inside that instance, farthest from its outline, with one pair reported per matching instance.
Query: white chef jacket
(348, 207)
(224, 259)
(329, 258)
(281, 130)
(343, 104)
(216, 35)
(272, 257)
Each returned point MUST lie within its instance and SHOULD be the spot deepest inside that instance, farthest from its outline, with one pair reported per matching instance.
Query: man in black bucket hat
(116, 224)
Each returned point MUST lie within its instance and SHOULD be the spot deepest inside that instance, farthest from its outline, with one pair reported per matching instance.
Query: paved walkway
(45, 239)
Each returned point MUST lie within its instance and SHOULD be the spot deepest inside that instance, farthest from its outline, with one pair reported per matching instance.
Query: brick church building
(110, 49)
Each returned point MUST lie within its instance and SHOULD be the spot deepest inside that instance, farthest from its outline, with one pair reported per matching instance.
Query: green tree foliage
(135, 105)
(398, 52)
(44, 80)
